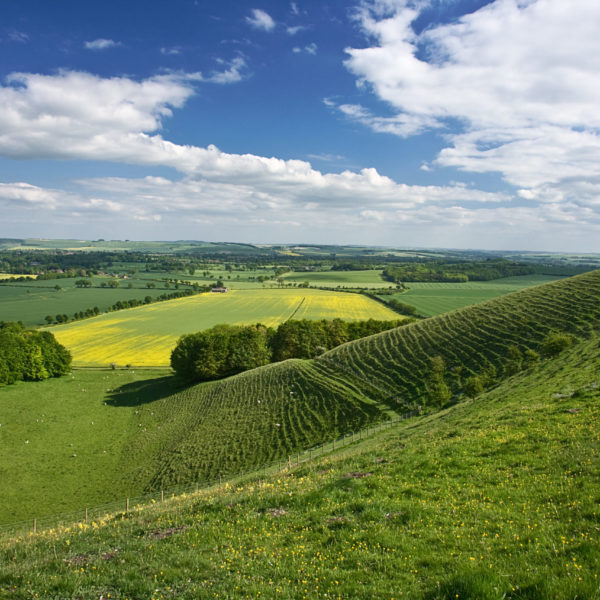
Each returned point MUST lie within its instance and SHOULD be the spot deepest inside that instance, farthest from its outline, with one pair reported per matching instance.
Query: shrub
(555, 343)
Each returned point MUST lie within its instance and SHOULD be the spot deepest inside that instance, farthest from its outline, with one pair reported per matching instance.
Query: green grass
(252, 418)
(432, 299)
(494, 498)
(132, 431)
(342, 279)
(30, 302)
(472, 339)
(45, 423)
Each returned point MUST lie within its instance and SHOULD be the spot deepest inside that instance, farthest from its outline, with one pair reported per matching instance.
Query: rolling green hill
(494, 498)
(156, 436)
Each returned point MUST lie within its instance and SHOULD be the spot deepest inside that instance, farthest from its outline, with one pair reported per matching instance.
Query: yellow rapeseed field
(145, 336)
(9, 275)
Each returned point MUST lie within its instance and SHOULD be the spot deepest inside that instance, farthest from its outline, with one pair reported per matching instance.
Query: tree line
(28, 355)
(225, 350)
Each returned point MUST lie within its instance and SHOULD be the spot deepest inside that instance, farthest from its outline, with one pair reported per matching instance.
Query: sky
(408, 123)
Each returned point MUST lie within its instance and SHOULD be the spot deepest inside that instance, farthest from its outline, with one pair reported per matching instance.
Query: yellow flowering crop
(145, 336)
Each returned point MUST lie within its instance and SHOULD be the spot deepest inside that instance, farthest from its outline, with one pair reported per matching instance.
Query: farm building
(220, 290)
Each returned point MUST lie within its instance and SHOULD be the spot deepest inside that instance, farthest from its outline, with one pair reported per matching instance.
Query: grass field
(437, 298)
(45, 423)
(349, 279)
(146, 335)
(495, 498)
(100, 435)
(31, 302)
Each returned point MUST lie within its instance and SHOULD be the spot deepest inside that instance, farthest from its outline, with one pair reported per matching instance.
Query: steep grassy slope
(267, 413)
(495, 498)
(98, 436)
(470, 340)
(247, 420)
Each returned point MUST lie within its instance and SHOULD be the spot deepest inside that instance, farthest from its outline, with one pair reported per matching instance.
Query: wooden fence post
(162, 495)
(126, 505)
(34, 526)
(86, 514)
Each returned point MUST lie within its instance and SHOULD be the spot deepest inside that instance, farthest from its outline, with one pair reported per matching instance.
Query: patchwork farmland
(146, 335)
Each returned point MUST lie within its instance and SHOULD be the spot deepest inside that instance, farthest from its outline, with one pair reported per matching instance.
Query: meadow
(165, 436)
(30, 302)
(349, 279)
(493, 498)
(432, 299)
(62, 443)
(145, 336)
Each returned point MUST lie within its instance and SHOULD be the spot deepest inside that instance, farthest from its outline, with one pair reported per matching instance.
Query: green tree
(473, 386)
(438, 389)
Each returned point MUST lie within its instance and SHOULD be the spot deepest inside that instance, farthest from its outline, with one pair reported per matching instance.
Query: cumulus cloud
(312, 204)
(82, 116)
(101, 44)
(520, 78)
(260, 19)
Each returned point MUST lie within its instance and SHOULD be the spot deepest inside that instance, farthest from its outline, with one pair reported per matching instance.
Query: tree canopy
(30, 355)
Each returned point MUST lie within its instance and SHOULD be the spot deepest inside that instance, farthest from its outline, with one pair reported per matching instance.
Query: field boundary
(86, 515)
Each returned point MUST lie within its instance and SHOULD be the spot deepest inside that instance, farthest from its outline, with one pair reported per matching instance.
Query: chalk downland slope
(267, 413)
(492, 498)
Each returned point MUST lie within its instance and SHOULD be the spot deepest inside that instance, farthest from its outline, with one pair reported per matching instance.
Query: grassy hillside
(146, 335)
(471, 340)
(159, 436)
(437, 298)
(97, 436)
(495, 498)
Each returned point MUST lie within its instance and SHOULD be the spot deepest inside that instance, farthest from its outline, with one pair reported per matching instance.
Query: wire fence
(124, 506)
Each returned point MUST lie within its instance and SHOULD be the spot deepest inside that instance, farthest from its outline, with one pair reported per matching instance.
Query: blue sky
(446, 123)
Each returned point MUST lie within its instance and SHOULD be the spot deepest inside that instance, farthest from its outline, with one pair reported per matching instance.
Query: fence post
(333, 444)
(86, 514)
(162, 495)
(126, 505)
(34, 526)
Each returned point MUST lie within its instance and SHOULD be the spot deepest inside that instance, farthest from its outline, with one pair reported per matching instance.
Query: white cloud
(231, 74)
(520, 77)
(294, 8)
(101, 44)
(170, 51)
(26, 195)
(82, 116)
(317, 205)
(293, 30)
(309, 49)
(261, 20)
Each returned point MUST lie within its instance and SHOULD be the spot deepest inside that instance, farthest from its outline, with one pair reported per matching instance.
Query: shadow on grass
(144, 392)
